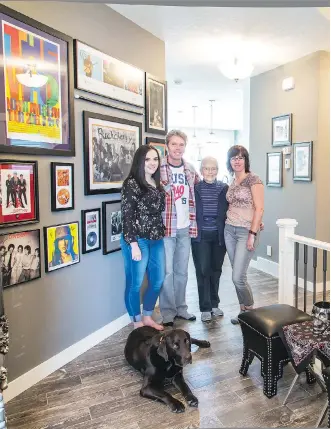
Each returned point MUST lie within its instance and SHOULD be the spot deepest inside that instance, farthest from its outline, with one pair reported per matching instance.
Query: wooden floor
(99, 390)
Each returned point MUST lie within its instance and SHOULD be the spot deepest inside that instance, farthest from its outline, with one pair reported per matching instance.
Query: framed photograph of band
(36, 87)
(61, 246)
(275, 169)
(101, 74)
(282, 130)
(19, 257)
(111, 226)
(109, 146)
(156, 105)
(303, 162)
(159, 144)
(62, 186)
(91, 230)
(19, 202)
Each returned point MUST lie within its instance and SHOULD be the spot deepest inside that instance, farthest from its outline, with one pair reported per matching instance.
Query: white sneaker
(217, 312)
(206, 316)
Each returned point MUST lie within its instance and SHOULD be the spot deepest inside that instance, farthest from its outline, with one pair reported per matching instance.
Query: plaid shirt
(169, 215)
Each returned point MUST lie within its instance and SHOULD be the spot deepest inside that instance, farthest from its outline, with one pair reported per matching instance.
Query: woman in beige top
(244, 216)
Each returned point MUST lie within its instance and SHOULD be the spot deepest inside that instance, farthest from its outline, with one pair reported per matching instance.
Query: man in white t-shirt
(178, 178)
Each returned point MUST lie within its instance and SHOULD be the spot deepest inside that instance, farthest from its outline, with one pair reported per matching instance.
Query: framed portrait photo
(282, 130)
(275, 169)
(62, 186)
(159, 144)
(111, 226)
(109, 147)
(19, 257)
(101, 74)
(61, 246)
(156, 105)
(19, 201)
(91, 230)
(303, 162)
(36, 87)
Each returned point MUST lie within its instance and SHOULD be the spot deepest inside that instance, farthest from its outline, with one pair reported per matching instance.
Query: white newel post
(286, 261)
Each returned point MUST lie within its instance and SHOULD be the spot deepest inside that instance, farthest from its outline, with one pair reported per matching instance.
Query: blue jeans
(152, 260)
(235, 240)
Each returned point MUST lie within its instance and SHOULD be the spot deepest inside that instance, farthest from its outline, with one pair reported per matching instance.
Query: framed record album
(91, 230)
(62, 186)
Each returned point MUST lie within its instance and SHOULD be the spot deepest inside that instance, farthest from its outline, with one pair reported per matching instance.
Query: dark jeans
(208, 258)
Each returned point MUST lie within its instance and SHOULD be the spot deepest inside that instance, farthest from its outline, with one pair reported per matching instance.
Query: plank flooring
(99, 390)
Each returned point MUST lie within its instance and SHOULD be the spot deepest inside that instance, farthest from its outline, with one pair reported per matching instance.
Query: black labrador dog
(161, 356)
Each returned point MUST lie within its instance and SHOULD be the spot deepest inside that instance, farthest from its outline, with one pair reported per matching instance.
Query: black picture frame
(274, 169)
(60, 142)
(159, 144)
(70, 232)
(107, 226)
(97, 227)
(154, 87)
(281, 131)
(16, 206)
(119, 90)
(61, 192)
(28, 240)
(303, 162)
(123, 141)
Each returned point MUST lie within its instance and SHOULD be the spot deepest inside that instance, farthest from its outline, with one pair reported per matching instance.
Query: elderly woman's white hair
(208, 159)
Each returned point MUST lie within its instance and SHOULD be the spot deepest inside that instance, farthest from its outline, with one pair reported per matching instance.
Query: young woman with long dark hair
(143, 232)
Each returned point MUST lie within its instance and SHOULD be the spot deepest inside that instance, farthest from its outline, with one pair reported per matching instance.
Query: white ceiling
(198, 39)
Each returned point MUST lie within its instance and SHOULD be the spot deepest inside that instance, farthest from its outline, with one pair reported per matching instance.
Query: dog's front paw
(192, 400)
(177, 406)
(205, 344)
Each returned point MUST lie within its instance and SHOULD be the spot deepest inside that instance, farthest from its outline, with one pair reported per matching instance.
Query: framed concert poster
(19, 202)
(36, 87)
(101, 74)
(91, 229)
(156, 105)
(111, 226)
(61, 246)
(109, 146)
(20, 257)
(62, 186)
(159, 144)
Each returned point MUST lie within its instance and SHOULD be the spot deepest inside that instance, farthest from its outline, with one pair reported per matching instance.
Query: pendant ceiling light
(236, 69)
(211, 117)
(194, 118)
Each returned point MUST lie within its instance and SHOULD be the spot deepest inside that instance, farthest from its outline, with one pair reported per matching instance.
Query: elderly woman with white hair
(208, 248)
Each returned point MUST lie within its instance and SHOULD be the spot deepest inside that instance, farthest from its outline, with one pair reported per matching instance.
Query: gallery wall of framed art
(36, 87)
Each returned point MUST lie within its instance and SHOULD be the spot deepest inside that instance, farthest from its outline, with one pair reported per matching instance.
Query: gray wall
(308, 103)
(50, 314)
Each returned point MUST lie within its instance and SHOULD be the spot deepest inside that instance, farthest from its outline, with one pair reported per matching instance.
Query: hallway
(99, 390)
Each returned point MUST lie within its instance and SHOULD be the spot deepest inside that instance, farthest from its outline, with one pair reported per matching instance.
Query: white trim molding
(56, 362)
(272, 268)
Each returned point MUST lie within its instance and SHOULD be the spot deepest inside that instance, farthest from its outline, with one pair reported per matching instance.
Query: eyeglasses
(212, 169)
(237, 158)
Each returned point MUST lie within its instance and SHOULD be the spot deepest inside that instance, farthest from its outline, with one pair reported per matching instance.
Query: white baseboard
(271, 267)
(56, 362)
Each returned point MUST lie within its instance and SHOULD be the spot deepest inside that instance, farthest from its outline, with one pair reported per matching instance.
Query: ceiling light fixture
(211, 117)
(194, 117)
(236, 69)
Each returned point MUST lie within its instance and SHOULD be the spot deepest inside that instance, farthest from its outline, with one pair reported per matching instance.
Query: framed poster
(62, 186)
(19, 257)
(111, 226)
(109, 146)
(303, 162)
(159, 144)
(274, 169)
(61, 246)
(19, 201)
(91, 230)
(36, 87)
(104, 75)
(282, 130)
(156, 105)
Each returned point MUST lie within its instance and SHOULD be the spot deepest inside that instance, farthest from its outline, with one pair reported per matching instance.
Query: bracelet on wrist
(252, 232)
